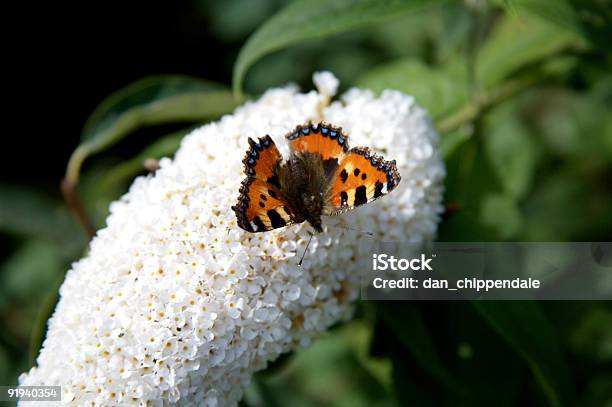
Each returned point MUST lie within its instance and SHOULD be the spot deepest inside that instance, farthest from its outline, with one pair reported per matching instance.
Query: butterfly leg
(306, 249)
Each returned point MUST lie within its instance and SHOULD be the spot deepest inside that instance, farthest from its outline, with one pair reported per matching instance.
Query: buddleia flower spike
(174, 302)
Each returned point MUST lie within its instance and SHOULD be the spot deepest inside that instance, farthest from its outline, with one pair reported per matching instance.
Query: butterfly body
(305, 184)
(321, 177)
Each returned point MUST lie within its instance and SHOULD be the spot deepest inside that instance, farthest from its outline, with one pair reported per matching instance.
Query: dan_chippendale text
(425, 263)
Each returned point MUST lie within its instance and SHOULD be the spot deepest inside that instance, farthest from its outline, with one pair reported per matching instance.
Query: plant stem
(483, 101)
(76, 207)
(74, 164)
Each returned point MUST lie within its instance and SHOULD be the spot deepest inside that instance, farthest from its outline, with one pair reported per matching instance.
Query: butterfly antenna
(356, 230)
(305, 250)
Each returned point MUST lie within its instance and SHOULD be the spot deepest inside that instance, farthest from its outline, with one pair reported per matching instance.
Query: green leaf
(470, 178)
(150, 101)
(29, 213)
(360, 340)
(405, 321)
(512, 152)
(516, 42)
(418, 30)
(501, 213)
(575, 125)
(592, 338)
(527, 330)
(451, 142)
(328, 372)
(406, 391)
(304, 20)
(142, 92)
(472, 347)
(557, 210)
(30, 270)
(5, 366)
(29, 277)
(439, 89)
(590, 19)
(165, 146)
(607, 138)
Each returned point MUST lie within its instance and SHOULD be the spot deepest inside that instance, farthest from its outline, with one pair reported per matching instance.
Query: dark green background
(521, 92)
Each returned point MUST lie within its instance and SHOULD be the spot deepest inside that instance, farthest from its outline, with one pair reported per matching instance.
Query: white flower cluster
(175, 304)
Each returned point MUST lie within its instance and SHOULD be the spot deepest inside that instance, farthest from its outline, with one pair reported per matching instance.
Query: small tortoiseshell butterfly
(321, 177)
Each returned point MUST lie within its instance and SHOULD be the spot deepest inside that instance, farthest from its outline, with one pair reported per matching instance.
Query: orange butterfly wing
(261, 205)
(261, 159)
(360, 178)
(328, 141)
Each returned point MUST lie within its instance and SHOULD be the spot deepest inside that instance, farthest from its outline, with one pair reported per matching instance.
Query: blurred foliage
(148, 102)
(521, 92)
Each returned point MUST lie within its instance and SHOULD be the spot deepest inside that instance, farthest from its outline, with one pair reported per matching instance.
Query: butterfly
(322, 176)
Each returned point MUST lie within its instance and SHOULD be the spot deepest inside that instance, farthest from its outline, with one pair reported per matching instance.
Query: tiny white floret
(326, 83)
